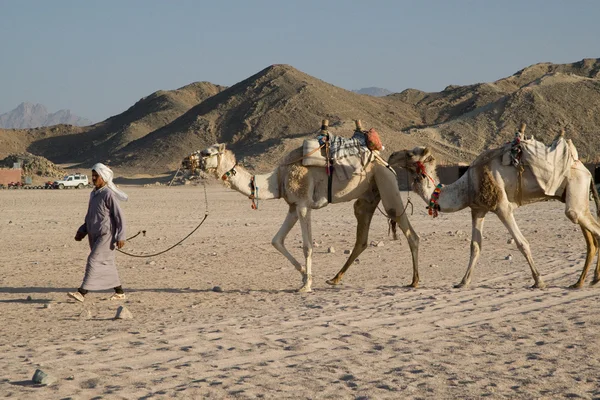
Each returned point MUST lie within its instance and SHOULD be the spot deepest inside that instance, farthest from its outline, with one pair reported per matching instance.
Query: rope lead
(176, 244)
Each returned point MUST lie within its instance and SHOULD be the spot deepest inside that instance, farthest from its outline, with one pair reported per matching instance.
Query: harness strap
(229, 173)
(434, 207)
(253, 192)
(304, 156)
(329, 166)
(519, 189)
(384, 163)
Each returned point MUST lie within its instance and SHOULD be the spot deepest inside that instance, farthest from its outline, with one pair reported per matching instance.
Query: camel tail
(596, 198)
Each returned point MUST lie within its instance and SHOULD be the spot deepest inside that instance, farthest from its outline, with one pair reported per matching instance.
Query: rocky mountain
(28, 115)
(261, 117)
(102, 140)
(373, 91)
(548, 97)
(273, 111)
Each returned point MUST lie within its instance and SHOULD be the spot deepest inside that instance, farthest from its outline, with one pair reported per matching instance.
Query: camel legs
(508, 219)
(364, 208)
(590, 225)
(589, 256)
(477, 218)
(577, 209)
(394, 207)
(304, 217)
(597, 271)
(278, 240)
(413, 244)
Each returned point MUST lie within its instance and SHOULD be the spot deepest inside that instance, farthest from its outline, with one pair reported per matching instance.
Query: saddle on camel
(324, 170)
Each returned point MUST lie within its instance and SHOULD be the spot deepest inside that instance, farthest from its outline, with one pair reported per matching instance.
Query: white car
(77, 181)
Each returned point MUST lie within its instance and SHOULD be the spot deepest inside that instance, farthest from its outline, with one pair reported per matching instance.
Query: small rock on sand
(123, 313)
(42, 378)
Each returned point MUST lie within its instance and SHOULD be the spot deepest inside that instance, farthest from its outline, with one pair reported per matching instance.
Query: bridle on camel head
(231, 173)
(219, 155)
(420, 174)
(205, 156)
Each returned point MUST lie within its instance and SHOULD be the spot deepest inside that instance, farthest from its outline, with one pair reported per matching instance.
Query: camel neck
(262, 186)
(453, 197)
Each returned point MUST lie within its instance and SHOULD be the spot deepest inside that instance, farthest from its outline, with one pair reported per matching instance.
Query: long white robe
(104, 225)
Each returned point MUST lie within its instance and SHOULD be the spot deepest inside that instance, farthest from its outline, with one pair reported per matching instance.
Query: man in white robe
(105, 228)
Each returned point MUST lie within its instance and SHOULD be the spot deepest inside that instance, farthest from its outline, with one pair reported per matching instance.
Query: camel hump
(313, 154)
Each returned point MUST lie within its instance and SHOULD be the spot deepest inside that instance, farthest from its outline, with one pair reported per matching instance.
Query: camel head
(416, 161)
(212, 159)
(412, 159)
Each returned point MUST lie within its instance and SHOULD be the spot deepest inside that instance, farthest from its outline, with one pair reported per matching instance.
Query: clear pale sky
(97, 58)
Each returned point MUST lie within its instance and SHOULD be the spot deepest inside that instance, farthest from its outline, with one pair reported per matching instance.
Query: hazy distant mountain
(373, 91)
(28, 115)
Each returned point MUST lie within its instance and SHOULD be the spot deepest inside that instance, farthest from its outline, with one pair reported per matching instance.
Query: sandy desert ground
(369, 338)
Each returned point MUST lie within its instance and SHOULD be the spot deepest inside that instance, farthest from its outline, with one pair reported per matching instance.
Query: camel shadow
(28, 290)
(26, 301)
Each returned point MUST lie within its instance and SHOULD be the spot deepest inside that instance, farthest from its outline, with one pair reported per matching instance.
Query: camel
(490, 186)
(305, 188)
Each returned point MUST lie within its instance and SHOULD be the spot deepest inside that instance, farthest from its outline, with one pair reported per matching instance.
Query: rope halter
(253, 192)
(422, 171)
(433, 207)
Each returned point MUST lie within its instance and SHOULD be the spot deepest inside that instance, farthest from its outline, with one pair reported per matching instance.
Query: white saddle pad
(550, 164)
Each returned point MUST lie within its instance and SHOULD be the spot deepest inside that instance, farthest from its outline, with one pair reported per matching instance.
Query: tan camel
(305, 188)
(490, 186)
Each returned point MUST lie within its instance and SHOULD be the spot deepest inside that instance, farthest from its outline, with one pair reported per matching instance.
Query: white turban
(107, 174)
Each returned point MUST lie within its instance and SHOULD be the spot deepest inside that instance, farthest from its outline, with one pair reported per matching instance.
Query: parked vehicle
(77, 181)
(15, 185)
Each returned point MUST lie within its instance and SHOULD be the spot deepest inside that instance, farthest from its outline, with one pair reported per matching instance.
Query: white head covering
(107, 174)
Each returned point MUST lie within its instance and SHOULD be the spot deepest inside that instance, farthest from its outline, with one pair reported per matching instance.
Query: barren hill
(272, 111)
(20, 140)
(150, 113)
(548, 104)
(262, 116)
(546, 96)
(454, 101)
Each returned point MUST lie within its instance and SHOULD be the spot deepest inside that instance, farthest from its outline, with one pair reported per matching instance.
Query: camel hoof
(333, 282)
(413, 285)
(594, 282)
(305, 289)
(539, 285)
(577, 285)
(460, 285)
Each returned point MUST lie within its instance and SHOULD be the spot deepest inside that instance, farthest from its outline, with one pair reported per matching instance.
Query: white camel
(490, 186)
(305, 188)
